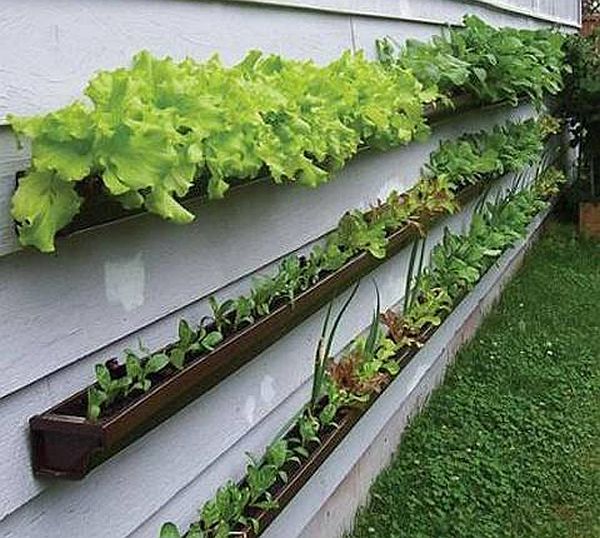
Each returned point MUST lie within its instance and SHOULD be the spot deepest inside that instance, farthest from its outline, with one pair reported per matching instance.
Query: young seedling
(222, 314)
(106, 390)
(170, 530)
(192, 342)
(244, 308)
(221, 513)
(263, 293)
(139, 371)
(322, 354)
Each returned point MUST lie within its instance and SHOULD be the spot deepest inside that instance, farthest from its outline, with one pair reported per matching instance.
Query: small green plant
(244, 309)
(264, 292)
(138, 372)
(192, 342)
(308, 428)
(291, 278)
(259, 479)
(105, 392)
(489, 63)
(356, 234)
(223, 314)
(169, 530)
(322, 354)
(225, 510)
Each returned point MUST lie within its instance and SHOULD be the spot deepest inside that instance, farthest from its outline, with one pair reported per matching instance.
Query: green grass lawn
(510, 444)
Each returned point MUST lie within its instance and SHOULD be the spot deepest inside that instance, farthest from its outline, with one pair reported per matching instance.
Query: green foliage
(106, 390)
(581, 95)
(371, 361)
(581, 108)
(472, 157)
(434, 63)
(513, 145)
(220, 515)
(291, 278)
(225, 510)
(356, 234)
(42, 205)
(138, 372)
(489, 63)
(169, 530)
(156, 129)
(322, 353)
(510, 444)
(192, 342)
(308, 427)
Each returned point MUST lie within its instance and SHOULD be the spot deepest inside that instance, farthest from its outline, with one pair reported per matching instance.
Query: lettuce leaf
(43, 204)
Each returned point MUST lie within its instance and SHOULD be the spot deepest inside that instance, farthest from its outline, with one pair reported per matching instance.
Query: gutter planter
(299, 475)
(99, 209)
(347, 417)
(65, 444)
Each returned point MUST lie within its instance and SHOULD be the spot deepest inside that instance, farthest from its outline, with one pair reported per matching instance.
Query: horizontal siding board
(111, 281)
(440, 12)
(186, 448)
(67, 42)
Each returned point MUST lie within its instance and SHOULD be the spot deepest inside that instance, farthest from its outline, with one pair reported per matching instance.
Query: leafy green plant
(434, 63)
(308, 428)
(371, 361)
(264, 291)
(223, 314)
(356, 234)
(291, 278)
(244, 315)
(225, 510)
(506, 148)
(489, 63)
(322, 354)
(154, 130)
(105, 392)
(259, 479)
(277, 455)
(580, 105)
(138, 372)
(192, 342)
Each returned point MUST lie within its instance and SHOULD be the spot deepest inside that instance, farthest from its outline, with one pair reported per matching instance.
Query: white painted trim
(364, 8)
(503, 6)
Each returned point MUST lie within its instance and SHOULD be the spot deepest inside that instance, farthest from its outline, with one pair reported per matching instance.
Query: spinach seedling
(138, 371)
(260, 478)
(223, 314)
(192, 341)
(244, 308)
(106, 391)
(263, 293)
(225, 510)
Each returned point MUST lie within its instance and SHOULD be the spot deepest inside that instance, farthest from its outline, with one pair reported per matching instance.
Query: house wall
(134, 279)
